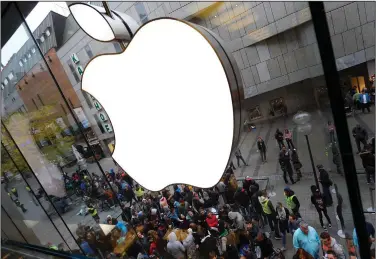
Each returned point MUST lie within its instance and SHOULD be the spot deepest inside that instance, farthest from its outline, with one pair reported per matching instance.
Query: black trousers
(285, 172)
(280, 143)
(290, 143)
(263, 155)
(370, 173)
(332, 136)
(296, 213)
(273, 224)
(365, 106)
(340, 215)
(358, 143)
(321, 216)
(238, 158)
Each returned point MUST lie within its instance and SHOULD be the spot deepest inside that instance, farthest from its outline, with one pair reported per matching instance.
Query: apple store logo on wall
(173, 97)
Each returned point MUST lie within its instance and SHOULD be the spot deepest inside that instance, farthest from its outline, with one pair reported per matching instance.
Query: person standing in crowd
(262, 149)
(364, 99)
(317, 198)
(326, 185)
(174, 247)
(283, 222)
(336, 159)
(32, 195)
(16, 201)
(296, 163)
(293, 223)
(330, 244)
(339, 207)
(239, 157)
(292, 201)
(279, 137)
(221, 188)
(360, 135)
(284, 160)
(110, 220)
(306, 238)
(270, 213)
(356, 100)
(368, 162)
(92, 210)
(331, 131)
(265, 245)
(289, 138)
(371, 232)
(242, 199)
(139, 192)
(14, 192)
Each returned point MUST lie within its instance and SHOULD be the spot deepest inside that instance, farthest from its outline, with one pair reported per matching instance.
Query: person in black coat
(318, 199)
(368, 162)
(242, 198)
(326, 184)
(279, 137)
(296, 163)
(262, 149)
(284, 160)
(360, 135)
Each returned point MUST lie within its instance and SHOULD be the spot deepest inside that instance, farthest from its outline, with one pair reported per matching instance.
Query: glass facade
(61, 188)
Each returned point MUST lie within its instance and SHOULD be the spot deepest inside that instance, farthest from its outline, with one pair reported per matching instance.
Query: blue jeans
(283, 238)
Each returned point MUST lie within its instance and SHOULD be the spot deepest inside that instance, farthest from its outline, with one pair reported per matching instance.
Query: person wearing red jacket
(211, 220)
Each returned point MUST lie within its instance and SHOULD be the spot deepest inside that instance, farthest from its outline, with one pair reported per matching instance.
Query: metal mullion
(14, 224)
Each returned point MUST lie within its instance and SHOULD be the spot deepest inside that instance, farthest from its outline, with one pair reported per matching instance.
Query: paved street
(36, 219)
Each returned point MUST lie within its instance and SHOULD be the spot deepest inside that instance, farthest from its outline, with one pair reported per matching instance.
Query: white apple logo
(168, 96)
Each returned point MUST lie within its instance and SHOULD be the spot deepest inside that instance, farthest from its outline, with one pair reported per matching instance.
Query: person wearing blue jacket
(306, 238)
(364, 99)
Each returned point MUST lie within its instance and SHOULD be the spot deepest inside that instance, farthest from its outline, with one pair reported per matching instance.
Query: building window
(117, 47)
(29, 55)
(42, 38)
(89, 51)
(5, 81)
(33, 50)
(47, 32)
(2, 86)
(20, 63)
(10, 76)
(40, 99)
(88, 100)
(141, 12)
(24, 59)
(77, 79)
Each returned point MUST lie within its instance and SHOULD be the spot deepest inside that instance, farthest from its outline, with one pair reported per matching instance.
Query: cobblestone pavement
(42, 227)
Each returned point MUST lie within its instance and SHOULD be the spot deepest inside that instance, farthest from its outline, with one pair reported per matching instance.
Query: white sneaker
(283, 249)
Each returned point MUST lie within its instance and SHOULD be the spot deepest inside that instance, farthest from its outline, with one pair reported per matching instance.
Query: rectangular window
(33, 50)
(117, 47)
(141, 12)
(10, 76)
(40, 99)
(89, 51)
(88, 100)
(20, 63)
(5, 81)
(23, 108)
(77, 79)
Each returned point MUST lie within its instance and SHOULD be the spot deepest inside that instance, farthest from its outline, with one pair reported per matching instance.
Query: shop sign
(103, 116)
(108, 127)
(80, 70)
(75, 59)
(97, 105)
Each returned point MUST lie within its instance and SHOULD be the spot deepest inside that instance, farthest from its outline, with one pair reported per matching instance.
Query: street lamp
(302, 120)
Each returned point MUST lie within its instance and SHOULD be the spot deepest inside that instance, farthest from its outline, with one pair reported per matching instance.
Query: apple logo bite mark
(173, 98)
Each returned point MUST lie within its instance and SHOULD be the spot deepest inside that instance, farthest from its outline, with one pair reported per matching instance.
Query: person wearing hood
(190, 245)
(241, 198)
(221, 189)
(237, 219)
(292, 201)
(360, 135)
(296, 163)
(262, 149)
(326, 184)
(279, 136)
(317, 198)
(330, 244)
(283, 222)
(174, 247)
(284, 160)
(270, 213)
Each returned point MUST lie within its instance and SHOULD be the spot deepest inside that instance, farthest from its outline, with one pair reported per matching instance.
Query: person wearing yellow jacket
(139, 192)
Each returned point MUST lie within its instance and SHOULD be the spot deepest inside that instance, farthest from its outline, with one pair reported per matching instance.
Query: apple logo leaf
(173, 98)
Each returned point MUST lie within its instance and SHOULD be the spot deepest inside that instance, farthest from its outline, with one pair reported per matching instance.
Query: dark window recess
(23, 108)
(99, 124)
(40, 99)
(88, 99)
(64, 110)
(77, 79)
(117, 47)
(35, 104)
(141, 12)
(89, 51)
